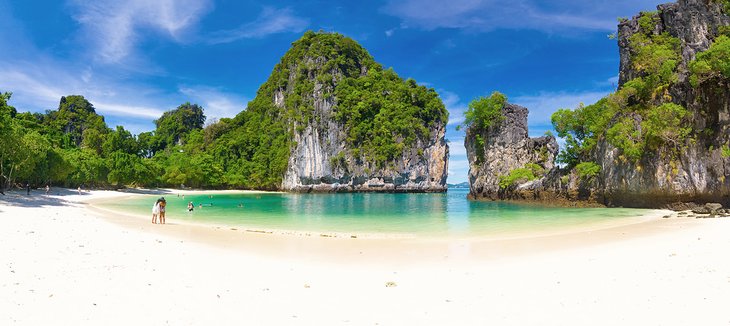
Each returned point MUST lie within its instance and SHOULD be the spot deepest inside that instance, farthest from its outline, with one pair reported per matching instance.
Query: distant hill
(463, 185)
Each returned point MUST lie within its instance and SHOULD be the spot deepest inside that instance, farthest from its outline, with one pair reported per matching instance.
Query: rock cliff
(355, 126)
(495, 152)
(648, 152)
(700, 172)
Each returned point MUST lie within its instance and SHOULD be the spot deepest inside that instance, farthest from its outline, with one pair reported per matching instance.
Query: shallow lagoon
(441, 214)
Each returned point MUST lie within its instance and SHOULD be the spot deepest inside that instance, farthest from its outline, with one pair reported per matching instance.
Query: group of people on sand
(158, 210)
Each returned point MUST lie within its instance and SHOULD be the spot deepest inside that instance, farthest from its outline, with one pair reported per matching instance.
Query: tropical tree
(175, 124)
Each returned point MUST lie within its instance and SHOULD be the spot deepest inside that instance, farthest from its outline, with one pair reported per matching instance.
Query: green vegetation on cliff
(587, 170)
(484, 112)
(713, 63)
(725, 5)
(725, 151)
(530, 172)
(639, 119)
(382, 114)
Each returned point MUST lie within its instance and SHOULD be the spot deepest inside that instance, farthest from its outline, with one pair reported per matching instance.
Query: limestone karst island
(207, 162)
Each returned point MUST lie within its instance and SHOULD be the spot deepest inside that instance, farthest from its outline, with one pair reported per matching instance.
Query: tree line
(73, 146)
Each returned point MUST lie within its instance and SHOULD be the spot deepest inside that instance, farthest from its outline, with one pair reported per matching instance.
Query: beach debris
(390, 284)
(353, 237)
(666, 216)
(260, 231)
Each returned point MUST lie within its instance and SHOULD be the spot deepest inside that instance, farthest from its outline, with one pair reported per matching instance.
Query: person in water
(190, 206)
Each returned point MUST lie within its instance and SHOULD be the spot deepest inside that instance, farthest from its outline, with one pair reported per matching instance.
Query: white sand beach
(66, 264)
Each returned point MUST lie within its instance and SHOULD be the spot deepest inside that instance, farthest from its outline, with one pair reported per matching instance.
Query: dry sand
(65, 264)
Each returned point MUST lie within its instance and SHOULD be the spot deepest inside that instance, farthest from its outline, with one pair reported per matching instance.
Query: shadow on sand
(38, 198)
(148, 191)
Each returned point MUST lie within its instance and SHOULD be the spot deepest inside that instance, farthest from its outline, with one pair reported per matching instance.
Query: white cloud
(456, 146)
(125, 110)
(458, 170)
(23, 85)
(114, 27)
(487, 15)
(543, 105)
(610, 82)
(38, 83)
(33, 90)
(216, 103)
(39, 87)
(454, 106)
(270, 21)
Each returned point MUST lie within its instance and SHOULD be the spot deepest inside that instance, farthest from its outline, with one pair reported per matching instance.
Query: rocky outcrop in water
(390, 138)
(505, 147)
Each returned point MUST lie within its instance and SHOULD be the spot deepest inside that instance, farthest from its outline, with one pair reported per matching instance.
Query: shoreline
(375, 248)
(65, 264)
(96, 204)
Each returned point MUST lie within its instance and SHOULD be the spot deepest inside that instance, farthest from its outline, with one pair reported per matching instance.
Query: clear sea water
(441, 214)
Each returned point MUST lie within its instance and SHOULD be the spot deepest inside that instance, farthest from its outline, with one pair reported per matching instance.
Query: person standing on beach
(27, 188)
(155, 211)
(162, 205)
(48, 188)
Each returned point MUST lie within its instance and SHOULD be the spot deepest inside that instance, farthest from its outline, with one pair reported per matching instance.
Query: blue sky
(136, 59)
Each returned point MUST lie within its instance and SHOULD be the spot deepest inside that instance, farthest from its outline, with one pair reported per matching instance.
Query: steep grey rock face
(700, 173)
(321, 161)
(694, 22)
(506, 147)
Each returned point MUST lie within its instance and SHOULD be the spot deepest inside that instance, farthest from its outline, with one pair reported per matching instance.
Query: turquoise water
(448, 213)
